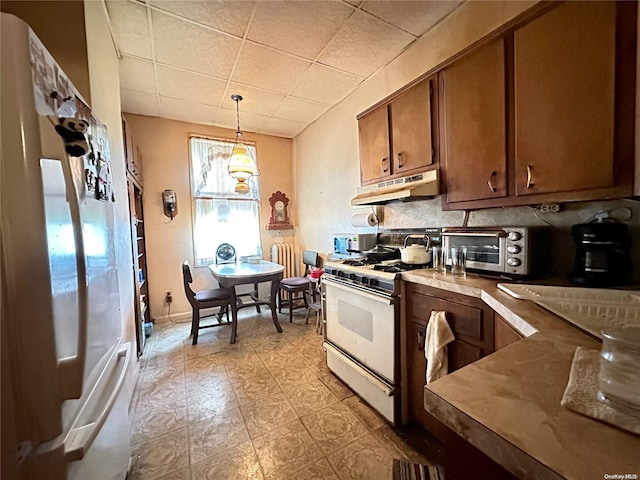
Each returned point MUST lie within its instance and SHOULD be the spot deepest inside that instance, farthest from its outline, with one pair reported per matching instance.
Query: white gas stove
(363, 330)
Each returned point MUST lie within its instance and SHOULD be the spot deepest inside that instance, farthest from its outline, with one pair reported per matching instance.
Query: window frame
(254, 196)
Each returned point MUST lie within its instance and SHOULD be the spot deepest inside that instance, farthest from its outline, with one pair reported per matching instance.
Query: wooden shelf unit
(138, 245)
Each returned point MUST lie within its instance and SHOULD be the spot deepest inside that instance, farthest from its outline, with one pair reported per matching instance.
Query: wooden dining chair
(224, 298)
(297, 288)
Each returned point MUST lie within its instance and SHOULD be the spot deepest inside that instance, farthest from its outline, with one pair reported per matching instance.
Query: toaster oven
(511, 251)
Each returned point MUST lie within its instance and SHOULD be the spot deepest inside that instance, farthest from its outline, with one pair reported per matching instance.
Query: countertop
(508, 403)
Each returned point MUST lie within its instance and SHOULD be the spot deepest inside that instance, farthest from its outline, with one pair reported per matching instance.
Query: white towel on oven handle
(437, 336)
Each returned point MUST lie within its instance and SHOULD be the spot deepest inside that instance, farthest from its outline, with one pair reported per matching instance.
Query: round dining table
(232, 274)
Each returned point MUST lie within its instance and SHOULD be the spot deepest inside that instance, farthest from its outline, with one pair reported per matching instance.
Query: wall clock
(279, 219)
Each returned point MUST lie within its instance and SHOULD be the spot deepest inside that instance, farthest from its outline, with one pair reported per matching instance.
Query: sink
(591, 310)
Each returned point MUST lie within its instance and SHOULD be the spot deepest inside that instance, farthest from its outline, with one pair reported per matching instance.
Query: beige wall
(105, 104)
(60, 25)
(164, 145)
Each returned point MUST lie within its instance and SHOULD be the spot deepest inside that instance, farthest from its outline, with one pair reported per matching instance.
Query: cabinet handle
(529, 176)
(385, 164)
(401, 160)
(490, 182)
(420, 340)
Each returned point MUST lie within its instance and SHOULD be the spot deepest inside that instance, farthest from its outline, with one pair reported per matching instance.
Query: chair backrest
(187, 279)
(310, 259)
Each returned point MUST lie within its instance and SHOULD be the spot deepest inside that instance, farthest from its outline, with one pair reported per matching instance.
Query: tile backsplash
(429, 213)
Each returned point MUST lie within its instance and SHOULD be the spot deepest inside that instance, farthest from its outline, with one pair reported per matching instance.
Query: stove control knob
(514, 262)
(373, 282)
(365, 281)
(340, 274)
(514, 236)
(514, 249)
(352, 276)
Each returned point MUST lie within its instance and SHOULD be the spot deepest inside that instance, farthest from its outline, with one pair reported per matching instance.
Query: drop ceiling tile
(130, 27)
(364, 44)
(282, 128)
(253, 100)
(325, 85)
(229, 16)
(301, 28)
(249, 122)
(265, 68)
(187, 111)
(300, 110)
(137, 74)
(415, 17)
(139, 102)
(195, 48)
(188, 86)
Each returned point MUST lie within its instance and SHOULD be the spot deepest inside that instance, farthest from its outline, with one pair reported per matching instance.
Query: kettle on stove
(602, 254)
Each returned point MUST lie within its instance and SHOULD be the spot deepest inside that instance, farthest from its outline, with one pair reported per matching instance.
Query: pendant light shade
(242, 166)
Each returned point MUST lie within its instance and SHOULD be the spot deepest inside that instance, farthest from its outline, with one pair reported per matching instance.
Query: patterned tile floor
(266, 407)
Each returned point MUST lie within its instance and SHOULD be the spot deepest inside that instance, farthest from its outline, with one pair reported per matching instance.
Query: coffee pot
(602, 254)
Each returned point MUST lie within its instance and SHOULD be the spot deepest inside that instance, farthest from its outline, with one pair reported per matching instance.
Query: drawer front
(463, 319)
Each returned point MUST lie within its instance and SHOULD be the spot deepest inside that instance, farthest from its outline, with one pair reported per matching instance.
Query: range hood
(416, 186)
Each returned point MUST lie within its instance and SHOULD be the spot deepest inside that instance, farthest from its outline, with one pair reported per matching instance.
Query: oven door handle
(378, 297)
(387, 389)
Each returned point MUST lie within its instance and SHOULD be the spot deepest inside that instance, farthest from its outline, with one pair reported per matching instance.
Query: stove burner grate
(400, 267)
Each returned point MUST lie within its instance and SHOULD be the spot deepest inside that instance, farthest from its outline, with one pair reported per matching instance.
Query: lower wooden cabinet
(503, 333)
(463, 461)
(472, 323)
(416, 371)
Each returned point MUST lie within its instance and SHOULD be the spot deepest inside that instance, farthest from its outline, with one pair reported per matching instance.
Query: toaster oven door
(486, 251)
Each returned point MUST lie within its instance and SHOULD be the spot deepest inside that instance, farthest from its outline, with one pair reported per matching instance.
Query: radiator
(283, 254)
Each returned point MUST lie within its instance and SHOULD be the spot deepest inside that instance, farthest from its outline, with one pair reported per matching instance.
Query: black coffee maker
(602, 254)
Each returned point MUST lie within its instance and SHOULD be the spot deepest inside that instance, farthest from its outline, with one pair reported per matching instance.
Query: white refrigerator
(64, 361)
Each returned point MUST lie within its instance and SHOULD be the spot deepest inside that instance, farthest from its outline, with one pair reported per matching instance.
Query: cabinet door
(564, 99)
(503, 333)
(375, 163)
(416, 374)
(474, 125)
(412, 130)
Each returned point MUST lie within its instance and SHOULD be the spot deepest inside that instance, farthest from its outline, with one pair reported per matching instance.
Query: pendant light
(242, 166)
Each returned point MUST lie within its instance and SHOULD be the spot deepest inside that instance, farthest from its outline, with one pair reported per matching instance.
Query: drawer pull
(384, 164)
(420, 340)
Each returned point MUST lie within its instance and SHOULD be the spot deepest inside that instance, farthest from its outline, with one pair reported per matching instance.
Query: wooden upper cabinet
(564, 82)
(398, 138)
(375, 161)
(545, 113)
(473, 123)
(412, 130)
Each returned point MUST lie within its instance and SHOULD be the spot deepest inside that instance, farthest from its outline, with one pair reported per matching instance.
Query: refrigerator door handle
(79, 439)
(72, 368)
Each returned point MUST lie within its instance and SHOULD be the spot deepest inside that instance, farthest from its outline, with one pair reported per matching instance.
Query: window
(220, 214)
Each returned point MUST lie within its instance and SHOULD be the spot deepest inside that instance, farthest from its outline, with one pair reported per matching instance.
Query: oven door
(362, 324)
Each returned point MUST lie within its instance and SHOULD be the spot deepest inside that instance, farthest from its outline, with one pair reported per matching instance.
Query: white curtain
(220, 214)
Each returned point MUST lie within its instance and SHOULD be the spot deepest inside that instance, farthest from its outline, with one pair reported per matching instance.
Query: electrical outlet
(550, 208)
(168, 297)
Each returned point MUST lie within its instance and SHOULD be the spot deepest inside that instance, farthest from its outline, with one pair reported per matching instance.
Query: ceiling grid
(291, 60)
